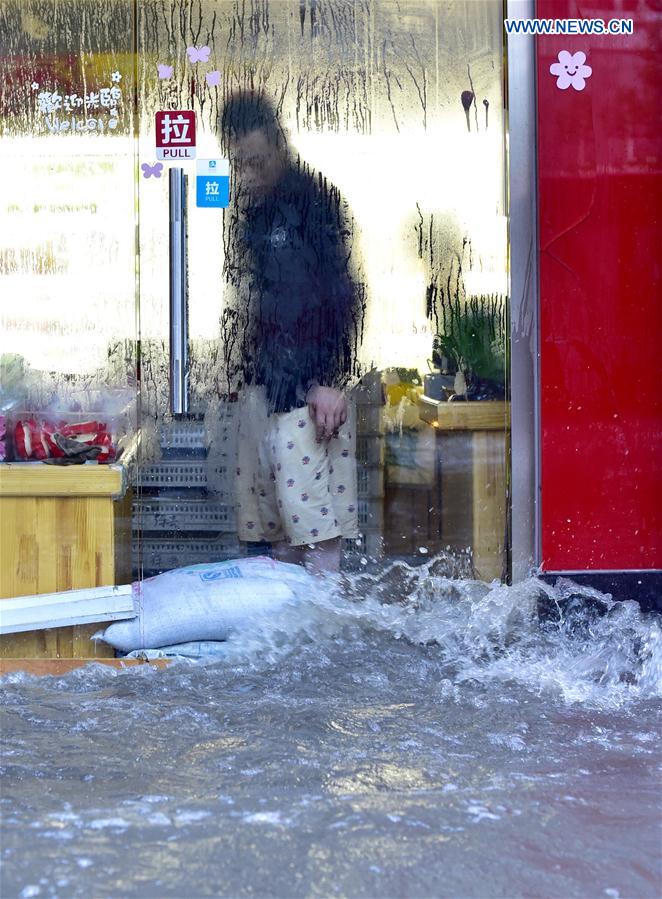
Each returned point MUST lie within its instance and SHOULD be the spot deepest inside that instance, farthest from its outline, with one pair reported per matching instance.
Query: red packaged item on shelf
(85, 431)
(30, 440)
(54, 450)
(106, 441)
(23, 438)
(35, 438)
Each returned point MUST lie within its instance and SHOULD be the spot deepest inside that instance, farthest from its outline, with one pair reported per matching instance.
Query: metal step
(164, 513)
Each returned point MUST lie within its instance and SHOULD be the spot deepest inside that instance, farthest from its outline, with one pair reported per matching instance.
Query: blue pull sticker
(212, 183)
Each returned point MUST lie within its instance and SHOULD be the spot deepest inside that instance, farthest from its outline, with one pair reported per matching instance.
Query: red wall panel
(600, 298)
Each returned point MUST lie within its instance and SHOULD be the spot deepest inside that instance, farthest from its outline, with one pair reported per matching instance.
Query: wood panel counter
(487, 425)
(62, 528)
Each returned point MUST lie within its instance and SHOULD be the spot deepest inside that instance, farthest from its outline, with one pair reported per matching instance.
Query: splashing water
(403, 733)
(567, 638)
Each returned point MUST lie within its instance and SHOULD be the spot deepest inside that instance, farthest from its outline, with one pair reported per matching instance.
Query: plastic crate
(369, 481)
(370, 391)
(369, 419)
(184, 515)
(370, 449)
(163, 554)
(180, 475)
(368, 545)
(370, 514)
(183, 435)
(187, 439)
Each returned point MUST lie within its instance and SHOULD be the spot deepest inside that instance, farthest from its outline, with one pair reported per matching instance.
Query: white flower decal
(116, 77)
(35, 86)
(570, 70)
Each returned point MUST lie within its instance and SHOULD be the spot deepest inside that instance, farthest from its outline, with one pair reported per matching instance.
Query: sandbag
(206, 602)
(198, 649)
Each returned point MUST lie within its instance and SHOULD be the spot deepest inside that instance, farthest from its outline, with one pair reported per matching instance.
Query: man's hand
(328, 410)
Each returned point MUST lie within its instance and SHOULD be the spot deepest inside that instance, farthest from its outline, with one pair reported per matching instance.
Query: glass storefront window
(394, 113)
(399, 108)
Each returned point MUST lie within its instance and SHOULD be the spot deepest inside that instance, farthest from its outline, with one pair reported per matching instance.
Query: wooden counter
(487, 424)
(62, 528)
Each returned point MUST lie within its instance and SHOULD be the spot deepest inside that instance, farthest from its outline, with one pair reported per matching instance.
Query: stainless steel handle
(179, 400)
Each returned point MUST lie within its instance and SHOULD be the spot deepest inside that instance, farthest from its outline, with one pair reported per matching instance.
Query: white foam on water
(588, 647)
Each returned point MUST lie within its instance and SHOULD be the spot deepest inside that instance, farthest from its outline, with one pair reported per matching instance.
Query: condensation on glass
(399, 106)
(68, 223)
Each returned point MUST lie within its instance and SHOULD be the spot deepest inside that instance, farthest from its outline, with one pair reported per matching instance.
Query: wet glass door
(67, 245)
(395, 113)
(68, 263)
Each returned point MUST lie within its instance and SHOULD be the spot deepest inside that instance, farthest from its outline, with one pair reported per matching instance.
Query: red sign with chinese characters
(175, 134)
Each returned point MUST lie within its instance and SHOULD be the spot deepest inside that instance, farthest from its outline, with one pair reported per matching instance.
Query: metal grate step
(163, 555)
(184, 515)
(178, 474)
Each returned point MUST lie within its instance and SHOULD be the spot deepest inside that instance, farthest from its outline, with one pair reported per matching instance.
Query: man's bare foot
(318, 558)
(323, 557)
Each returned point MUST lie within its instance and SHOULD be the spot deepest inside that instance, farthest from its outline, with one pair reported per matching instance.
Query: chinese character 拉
(211, 188)
(175, 129)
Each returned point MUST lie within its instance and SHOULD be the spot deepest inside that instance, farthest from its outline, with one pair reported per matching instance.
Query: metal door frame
(526, 554)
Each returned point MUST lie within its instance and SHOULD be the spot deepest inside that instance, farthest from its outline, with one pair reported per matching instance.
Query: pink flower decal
(571, 71)
(165, 71)
(198, 54)
(290, 482)
(213, 79)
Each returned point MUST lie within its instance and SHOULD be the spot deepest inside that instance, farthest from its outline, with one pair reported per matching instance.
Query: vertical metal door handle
(179, 400)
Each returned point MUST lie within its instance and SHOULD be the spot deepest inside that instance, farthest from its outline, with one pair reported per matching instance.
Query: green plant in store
(474, 342)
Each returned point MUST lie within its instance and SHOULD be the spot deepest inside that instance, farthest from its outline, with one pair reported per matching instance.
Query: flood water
(424, 737)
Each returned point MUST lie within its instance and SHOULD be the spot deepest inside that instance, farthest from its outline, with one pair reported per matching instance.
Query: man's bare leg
(283, 552)
(323, 557)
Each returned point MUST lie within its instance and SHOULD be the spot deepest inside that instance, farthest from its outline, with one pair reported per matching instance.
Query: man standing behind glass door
(291, 341)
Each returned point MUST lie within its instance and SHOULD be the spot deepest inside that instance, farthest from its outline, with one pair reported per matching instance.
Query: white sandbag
(206, 602)
(198, 649)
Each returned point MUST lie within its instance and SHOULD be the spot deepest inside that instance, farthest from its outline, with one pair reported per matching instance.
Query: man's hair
(247, 111)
